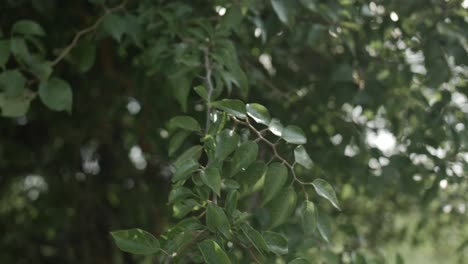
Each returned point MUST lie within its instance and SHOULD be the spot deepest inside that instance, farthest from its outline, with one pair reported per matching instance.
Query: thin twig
(276, 154)
(85, 31)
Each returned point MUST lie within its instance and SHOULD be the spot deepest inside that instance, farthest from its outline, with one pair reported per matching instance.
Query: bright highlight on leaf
(259, 113)
(324, 189)
(294, 135)
(136, 241)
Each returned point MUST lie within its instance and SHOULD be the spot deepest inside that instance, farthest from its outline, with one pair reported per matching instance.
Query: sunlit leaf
(213, 253)
(231, 106)
(324, 225)
(259, 113)
(136, 241)
(276, 242)
(294, 135)
(301, 157)
(324, 189)
(281, 10)
(276, 127)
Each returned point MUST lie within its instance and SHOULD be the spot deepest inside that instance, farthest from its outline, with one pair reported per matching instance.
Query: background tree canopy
(88, 87)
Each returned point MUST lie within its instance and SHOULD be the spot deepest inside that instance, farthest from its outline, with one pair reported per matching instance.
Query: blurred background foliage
(380, 87)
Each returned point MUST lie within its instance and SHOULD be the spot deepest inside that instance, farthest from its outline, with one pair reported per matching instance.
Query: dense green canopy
(377, 91)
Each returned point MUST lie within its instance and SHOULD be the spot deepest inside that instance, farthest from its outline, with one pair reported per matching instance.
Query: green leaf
(226, 143)
(294, 135)
(180, 83)
(282, 206)
(281, 10)
(4, 52)
(324, 225)
(179, 193)
(259, 113)
(16, 106)
(27, 27)
(83, 55)
(308, 217)
(254, 237)
(56, 94)
(19, 49)
(301, 157)
(191, 153)
(232, 18)
(176, 141)
(231, 106)
(275, 178)
(114, 25)
(212, 178)
(324, 189)
(231, 201)
(230, 184)
(276, 127)
(185, 170)
(298, 261)
(184, 122)
(136, 241)
(216, 220)
(12, 83)
(277, 243)
(245, 155)
(213, 253)
(201, 91)
(42, 69)
(182, 208)
(309, 4)
(252, 178)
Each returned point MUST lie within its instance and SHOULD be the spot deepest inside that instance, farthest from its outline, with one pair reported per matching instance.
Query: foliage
(365, 98)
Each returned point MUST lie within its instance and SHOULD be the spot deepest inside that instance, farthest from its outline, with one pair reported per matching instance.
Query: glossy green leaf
(182, 208)
(251, 178)
(191, 153)
(179, 193)
(294, 135)
(276, 127)
(299, 261)
(176, 141)
(4, 52)
(280, 9)
(324, 189)
(201, 91)
(308, 217)
(212, 178)
(231, 201)
(114, 25)
(245, 155)
(230, 184)
(136, 241)
(184, 170)
(282, 207)
(16, 106)
(275, 178)
(226, 143)
(301, 157)
(254, 237)
(213, 253)
(184, 122)
(259, 113)
(231, 106)
(12, 82)
(56, 94)
(276, 242)
(324, 225)
(216, 220)
(27, 27)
